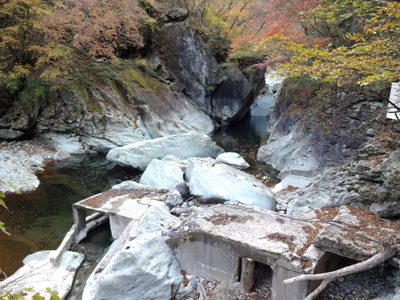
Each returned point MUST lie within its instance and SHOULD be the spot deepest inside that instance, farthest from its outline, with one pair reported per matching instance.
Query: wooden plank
(247, 274)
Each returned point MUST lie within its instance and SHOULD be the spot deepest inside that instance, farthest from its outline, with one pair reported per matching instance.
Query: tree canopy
(364, 56)
(39, 38)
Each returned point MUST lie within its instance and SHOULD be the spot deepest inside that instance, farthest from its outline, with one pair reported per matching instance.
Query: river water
(39, 220)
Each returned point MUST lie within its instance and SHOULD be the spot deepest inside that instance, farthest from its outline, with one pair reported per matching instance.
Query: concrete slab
(359, 240)
(122, 206)
(222, 234)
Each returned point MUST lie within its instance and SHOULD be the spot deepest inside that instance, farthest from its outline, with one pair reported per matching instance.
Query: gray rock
(222, 92)
(10, 134)
(144, 268)
(61, 155)
(127, 185)
(262, 106)
(232, 100)
(233, 159)
(223, 183)
(196, 162)
(19, 171)
(386, 209)
(139, 155)
(156, 219)
(162, 175)
(183, 189)
(172, 198)
(174, 159)
(330, 190)
(40, 274)
(290, 155)
(69, 143)
(177, 14)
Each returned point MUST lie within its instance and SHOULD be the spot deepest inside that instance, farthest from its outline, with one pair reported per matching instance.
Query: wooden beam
(247, 274)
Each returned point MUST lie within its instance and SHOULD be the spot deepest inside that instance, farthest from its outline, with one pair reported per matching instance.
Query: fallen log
(388, 248)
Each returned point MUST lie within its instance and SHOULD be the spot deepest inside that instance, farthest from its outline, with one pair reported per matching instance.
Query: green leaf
(37, 297)
(2, 202)
(2, 228)
(54, 297)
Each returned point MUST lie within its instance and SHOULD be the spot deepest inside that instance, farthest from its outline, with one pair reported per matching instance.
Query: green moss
(142, 79)
(127, 86)
(134, 76)
(116, 90)
(92, 109)
(123, 108)
(83, 92)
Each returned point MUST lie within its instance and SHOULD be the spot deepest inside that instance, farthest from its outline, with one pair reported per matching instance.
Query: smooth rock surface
(145, 269)
(233, 159)
(222, 92)
(223, 183)
(156, 219)
(39, 274)
(262, 106)
(196, 162)
(162, 175)
(129, 184)
(19, 168)
(139, 155)
(61, 155)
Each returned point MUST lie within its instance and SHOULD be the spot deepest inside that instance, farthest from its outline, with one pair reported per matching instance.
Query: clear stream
(39, 220)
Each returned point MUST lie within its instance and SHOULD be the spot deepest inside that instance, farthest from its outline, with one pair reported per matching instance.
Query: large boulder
(156, 219)
(233, 159)
(139, 155)
(222, 92)
(162, 175)
(144, 268)
(232, 99)
(197, 162)
(19, 168)
(223, 183)
(40, 275)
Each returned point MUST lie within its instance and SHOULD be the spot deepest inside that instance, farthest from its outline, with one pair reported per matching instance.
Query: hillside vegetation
(43, 41)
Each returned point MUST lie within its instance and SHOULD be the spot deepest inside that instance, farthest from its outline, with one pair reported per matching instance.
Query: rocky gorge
(195, 213)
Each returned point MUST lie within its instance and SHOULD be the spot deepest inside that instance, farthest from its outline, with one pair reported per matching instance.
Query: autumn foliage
(96, 27)
(369, 55)
(40, 38)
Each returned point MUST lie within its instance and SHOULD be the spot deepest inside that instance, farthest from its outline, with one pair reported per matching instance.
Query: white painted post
(392, 112)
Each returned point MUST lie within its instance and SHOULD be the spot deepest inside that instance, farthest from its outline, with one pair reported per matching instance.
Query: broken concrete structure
(223, 234)
(122, 206)
(213, 240)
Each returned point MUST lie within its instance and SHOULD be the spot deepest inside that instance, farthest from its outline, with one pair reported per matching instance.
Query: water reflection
(39, 220)
(245, 138)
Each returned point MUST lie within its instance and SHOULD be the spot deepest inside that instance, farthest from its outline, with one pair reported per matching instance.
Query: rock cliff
(330, 148)
(180, 89)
